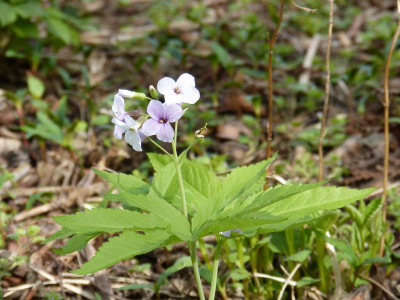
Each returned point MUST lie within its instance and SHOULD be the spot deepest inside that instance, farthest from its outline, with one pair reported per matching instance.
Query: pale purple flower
(183, 90)
(161, 115)
(125, 124)
(228, 232)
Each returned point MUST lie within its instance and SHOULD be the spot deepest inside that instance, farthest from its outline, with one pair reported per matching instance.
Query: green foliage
(127, 245)
(236, 201)
(36, 87)
(21, 20)
(108, 220)
(181, 263)
(76, 243)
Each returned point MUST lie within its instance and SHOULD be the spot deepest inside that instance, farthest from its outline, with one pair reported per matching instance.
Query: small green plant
(50, 124)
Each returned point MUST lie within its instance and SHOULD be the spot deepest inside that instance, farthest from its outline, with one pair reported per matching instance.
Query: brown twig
(389, 293)
(271, 42)
(386, 105)
(306, 9)
(327, 92)
(331, 250)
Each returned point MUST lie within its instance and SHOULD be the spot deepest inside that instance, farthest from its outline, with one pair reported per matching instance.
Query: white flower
(183, 90)
(130, 127)
(125, 124)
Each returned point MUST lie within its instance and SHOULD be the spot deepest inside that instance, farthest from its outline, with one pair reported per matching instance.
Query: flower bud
(132, 95)
(153, 92)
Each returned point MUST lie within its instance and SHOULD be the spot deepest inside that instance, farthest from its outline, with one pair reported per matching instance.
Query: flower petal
(165, 85)
(133, 139)
(172, 98)
(131, 123)
(173, 112)
(190, 94)
(118, 131)
(121, 124)
(141, 135)
(185, 80)
(118, 106)
(126, 93)
(156, 110)
(150, 127)
(165, 133)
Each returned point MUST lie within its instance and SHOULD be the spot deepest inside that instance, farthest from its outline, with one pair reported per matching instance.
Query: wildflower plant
(186, 200)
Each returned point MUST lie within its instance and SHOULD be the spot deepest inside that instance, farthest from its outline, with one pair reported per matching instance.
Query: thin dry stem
(289, 278)
(389, 293)
(386, 105)
(327, 94)
(272, 41)
(306, 9)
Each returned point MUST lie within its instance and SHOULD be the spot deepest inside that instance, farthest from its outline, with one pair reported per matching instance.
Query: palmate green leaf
(175, 221)
(249, 207)
(125, 246)
(272, 195)
(214, 227)
(158, 161)
(62, 233)
(200, 184)
(320, 198)
(165, 182)
(236, 187)
(325, 222)
(242, 182)
(108, 220)
(76, 243)
(127, 182)
(283, 225)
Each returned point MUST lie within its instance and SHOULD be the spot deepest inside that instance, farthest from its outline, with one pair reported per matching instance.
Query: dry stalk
(271, 42)
(327, 93)
(386, 105)
(331, 250)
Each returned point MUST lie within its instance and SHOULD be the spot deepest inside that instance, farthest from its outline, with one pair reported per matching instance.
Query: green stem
(193, 256)
(204, 253)
(159, 147)
(180, 181)
(178, 171)
(239, 245)
(192, 245)
(215, 269)
(320, 245)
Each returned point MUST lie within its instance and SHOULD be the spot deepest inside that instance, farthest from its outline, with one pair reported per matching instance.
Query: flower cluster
(160, 115)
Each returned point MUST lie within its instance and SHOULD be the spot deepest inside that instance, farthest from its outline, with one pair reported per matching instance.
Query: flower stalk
(386, 106)
(271, 42)
(327, 94)
(215, 269)
(195, 265)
